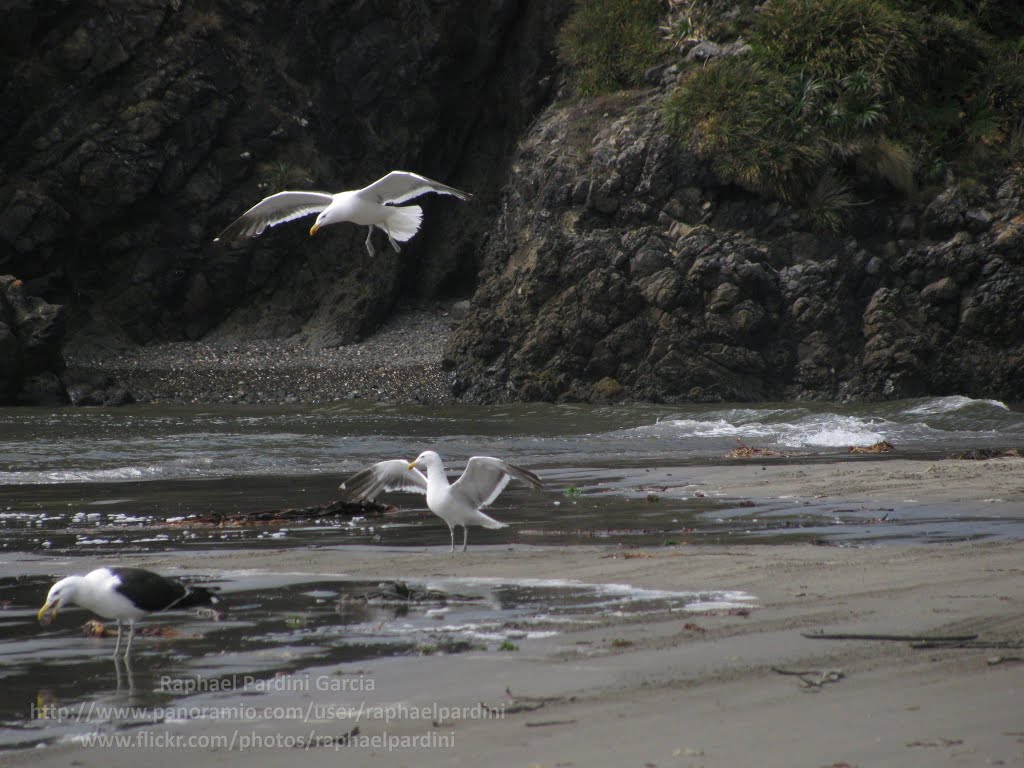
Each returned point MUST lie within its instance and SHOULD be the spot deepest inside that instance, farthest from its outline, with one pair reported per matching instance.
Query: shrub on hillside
(609, 44)
(834, 99)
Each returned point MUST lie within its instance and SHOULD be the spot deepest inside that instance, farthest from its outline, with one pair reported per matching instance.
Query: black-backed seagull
(125, 594)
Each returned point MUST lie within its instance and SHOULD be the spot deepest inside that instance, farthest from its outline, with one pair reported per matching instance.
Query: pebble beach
(401, 362)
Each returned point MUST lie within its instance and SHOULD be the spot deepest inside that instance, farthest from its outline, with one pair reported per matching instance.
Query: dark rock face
(608, 263)
(32, 368)
(133, 131)
(95, 389)
(31, 332)
(620, 269)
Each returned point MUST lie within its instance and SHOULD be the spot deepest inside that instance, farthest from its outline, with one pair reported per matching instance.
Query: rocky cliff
(605, 261)
(133, 131)
(621, 268)
(32, 367)
(31, 331)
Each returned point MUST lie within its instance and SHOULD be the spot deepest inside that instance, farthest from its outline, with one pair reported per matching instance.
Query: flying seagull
(374, 206)
(125, 594)
(457, 504)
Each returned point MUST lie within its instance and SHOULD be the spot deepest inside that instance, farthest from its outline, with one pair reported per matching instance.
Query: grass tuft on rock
(609, 44)
(832, 101)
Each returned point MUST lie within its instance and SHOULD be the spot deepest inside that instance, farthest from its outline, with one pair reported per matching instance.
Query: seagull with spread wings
(377, 205)
(458, 503)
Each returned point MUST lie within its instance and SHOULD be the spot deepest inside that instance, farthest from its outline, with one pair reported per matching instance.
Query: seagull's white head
(61, 593)
(425, 460)
(328, 215)
(339, 210)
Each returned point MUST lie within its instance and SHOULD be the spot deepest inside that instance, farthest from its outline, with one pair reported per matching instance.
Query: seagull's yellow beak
(412, 465)
(53, 607)
(313, 229)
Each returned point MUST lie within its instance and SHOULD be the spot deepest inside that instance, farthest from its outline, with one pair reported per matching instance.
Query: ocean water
(93, 480)
(140, 443)
(77, 485)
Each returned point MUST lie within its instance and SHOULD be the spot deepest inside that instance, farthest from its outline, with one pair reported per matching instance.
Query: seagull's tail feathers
(489, 522)
(403, 221)
(197, 597)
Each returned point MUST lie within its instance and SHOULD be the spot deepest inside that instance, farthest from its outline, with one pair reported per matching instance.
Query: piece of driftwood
(524, 703)
(926, 644)
(549, 723)
(941, 639)
(333, 509)
(813, 678)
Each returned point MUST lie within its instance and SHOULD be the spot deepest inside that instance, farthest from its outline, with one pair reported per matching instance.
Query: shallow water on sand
(91, 481)
(79, 484)
(60, 685)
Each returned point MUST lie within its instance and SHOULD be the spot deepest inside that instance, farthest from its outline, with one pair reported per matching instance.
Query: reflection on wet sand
(282, 625)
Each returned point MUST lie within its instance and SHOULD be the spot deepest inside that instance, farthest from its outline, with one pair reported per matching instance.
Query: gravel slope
(401, 362)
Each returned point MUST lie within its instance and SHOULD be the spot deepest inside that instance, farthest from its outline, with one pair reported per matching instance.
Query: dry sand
(683, 690)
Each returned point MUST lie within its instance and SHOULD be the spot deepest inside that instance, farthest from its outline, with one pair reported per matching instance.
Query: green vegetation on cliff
(823, 100)
(609, 44)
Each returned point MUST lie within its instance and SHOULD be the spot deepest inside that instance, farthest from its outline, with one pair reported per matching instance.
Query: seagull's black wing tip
(360, 487)
(236, 232)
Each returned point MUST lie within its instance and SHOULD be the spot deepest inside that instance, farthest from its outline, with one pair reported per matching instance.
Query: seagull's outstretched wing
(399, 186)
(274, 210)
(486, 477)
(392, 475)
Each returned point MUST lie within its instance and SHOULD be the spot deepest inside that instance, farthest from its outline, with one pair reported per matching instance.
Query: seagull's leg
(131, 634)
(451, 530)
(392, 241)
(465, 537)
(369, 245)
(117, 645)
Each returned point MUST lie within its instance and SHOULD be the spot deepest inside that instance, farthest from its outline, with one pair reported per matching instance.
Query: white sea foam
(830, 431)
(943, 405)
(824, 430)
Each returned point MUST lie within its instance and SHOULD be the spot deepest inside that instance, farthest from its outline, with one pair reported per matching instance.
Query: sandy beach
(722, 689)
(754, 395)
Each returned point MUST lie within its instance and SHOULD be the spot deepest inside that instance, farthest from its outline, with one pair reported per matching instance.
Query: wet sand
(685, 690)
(974, 485)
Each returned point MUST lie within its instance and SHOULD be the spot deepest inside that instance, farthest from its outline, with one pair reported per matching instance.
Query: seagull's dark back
(153, 592)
